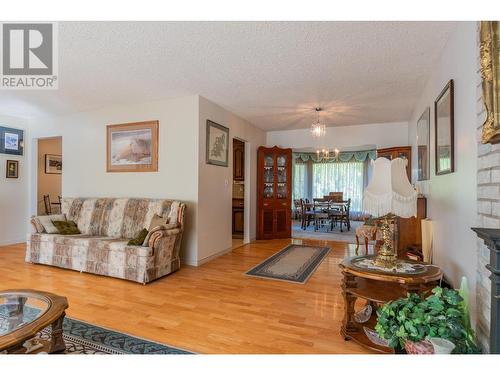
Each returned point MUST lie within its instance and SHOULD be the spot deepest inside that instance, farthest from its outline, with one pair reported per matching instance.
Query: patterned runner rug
(85, 338)
(295, 263)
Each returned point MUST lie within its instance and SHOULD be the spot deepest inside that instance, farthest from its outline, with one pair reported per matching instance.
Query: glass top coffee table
(24, 313)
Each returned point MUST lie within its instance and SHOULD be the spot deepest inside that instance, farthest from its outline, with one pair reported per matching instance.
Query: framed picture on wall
(12, 169)
(423, 145)
(217, 144)
(53, 164)
(11, 141)
(444, 132)
(132, 147)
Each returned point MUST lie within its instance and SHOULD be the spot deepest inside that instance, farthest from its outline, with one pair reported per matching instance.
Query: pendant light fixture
(318, 129)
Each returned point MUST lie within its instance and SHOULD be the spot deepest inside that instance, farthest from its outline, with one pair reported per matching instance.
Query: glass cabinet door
(282, 178)
(268, 176)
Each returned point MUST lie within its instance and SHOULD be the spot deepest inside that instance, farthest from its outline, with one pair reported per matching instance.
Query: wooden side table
(28, 312)
(378, 288)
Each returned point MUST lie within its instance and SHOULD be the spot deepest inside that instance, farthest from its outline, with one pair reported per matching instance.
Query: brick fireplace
(488, 213)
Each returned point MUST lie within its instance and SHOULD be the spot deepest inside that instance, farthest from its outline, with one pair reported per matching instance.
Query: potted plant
(408, 322)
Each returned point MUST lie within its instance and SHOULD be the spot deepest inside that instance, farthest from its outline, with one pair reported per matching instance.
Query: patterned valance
(344, 156)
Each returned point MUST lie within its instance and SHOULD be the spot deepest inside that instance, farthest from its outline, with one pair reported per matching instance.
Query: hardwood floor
(214, 308)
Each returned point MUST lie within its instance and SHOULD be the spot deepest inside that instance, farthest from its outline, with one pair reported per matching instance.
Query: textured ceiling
(270, 73)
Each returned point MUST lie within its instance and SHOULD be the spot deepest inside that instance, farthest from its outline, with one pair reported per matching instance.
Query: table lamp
(389, 194)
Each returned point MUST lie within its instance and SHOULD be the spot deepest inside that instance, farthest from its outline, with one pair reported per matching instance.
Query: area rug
(295, 263)
(85, 338)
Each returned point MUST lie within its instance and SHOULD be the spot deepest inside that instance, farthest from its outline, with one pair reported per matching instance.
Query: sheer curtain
(299, 181)
(347, 177)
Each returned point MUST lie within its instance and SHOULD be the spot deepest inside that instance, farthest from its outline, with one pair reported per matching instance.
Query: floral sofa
(106, 225)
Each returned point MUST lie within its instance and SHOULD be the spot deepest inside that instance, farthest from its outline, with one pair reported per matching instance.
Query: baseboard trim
(13, 242)
(213, 256)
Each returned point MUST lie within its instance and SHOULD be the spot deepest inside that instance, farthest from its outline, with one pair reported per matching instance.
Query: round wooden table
(377, 288)
(24, 313)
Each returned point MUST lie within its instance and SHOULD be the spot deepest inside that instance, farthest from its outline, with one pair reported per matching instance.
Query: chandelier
(317, 128)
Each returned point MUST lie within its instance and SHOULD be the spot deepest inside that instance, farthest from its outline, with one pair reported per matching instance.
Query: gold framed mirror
(490, 71)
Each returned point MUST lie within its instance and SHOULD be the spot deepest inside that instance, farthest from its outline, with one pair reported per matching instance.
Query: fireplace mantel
(491, 239)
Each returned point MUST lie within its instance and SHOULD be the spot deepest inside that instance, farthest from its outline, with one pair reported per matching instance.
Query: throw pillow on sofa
(66, 227)
(46, 222)
(157, 221)
(139, 239)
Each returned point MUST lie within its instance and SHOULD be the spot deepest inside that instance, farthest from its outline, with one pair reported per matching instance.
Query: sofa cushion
(157, 221)
(139, 238)
(89, 247)
(46, 222)
(117, 217)
(66, 227)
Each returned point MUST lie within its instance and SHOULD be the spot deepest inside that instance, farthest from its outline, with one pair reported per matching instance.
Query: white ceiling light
(318, 129)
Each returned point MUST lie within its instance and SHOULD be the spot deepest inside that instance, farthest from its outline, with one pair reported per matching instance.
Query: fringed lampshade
(389, 190)
(389, 194)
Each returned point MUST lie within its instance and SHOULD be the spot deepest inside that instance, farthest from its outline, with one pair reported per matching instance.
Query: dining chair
(48, 207)
(342, 216)
(336, 196)
(297, 205)
(308, 214)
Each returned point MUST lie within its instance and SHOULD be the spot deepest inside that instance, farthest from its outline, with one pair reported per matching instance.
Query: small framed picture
(12, 170)
(11, 141)
(217, 144)
(132, 147)
(53, 164)
(444, 132)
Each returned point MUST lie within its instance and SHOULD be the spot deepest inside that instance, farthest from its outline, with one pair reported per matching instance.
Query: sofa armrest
(156, 235)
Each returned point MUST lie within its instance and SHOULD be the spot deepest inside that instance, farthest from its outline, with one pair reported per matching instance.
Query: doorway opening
(238, 203)
(49, 175)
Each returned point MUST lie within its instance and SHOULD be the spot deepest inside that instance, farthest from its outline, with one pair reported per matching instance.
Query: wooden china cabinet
(397, 152)
(274, 193)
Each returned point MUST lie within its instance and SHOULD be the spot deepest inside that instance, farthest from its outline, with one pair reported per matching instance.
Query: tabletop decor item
(407, 267)
(415, 318)
(389, 194)
(11, 141)
(217, 144)
(444, 131)
(132, 147)
(12, 169)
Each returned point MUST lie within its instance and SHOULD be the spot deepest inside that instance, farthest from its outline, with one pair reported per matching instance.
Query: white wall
(451, 198)
(215, 182)
(344, 137)
(84, 157)
(13, 192)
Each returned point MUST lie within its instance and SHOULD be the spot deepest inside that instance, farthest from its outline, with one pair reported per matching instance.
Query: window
(346, 177)
(299, 181)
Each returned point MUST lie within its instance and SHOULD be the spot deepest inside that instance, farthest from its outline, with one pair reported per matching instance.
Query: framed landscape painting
(132, 147)
(11, 141)
(53, 164)
(12, 170)
(217, 144)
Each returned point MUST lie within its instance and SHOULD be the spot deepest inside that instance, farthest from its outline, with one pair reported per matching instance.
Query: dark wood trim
(449, 86)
